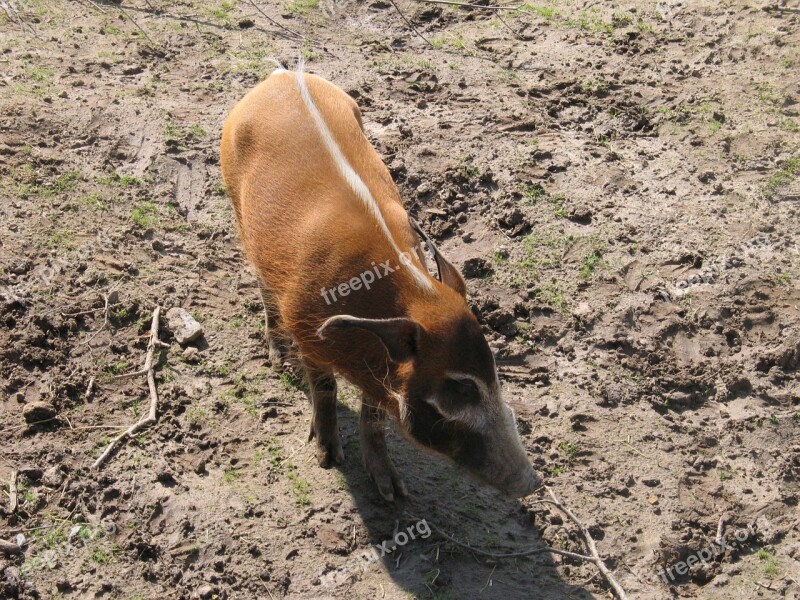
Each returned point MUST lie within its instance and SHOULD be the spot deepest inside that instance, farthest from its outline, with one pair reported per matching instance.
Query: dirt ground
(619, 185)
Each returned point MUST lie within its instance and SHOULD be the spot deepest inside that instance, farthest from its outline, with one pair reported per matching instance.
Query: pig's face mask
(449, 398)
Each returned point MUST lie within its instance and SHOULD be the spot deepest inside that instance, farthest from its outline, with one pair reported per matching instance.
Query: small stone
(205, 591)
(653, 500)
(200, 466)
(651, 482)
(184, 326)
(191, 354)
(38, 411)
(52, 477)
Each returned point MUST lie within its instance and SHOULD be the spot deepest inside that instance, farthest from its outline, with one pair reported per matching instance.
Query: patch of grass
(783, 176)
(769, 561)
(558, 202)
(114, 178)
(724, 474)
(788, 124)
(222, 12)
(302, 7)
(145, 214)
(569, 449)
(117, 368)
(594, 87)
(553, 295)
(230, 476)
(291, 381)
(468, 168)
(455, 42)
(196, 415)
(39, 74)
(589, 263)
(101, 556)
(590, 22)
(301, 488)
(558, 471)
(197, 131)
(767, 94)
(60, 240)
(95, 201)
(533, 193)
(544, 12)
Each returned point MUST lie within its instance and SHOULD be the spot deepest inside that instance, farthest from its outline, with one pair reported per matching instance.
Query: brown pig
(343, 278)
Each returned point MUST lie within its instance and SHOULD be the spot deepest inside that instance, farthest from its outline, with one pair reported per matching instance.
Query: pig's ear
(448, 274)
(400, 335)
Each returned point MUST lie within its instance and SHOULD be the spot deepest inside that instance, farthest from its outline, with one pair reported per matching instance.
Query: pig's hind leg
(372, 430)
(324, 425)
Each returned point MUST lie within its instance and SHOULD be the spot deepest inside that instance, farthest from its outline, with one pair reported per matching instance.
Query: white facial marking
(354, 180)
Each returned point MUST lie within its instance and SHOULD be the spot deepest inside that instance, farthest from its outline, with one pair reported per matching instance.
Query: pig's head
(449, 398)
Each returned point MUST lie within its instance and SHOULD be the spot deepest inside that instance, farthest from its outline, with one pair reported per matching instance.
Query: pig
(344, 281)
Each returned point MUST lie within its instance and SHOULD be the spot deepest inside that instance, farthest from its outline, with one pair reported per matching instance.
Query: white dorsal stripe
(354, 180)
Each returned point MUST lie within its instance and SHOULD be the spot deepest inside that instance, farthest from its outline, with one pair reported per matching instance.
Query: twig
(90, 388)
(516, 34)
(95, 6)
(13, 497)
(144, 33)
(150, 418)
(510, 554)
(410, 24)
(9, 548)
(108, 299)
(517, 8)
(720, 530)
(595, 558)
(278, 24)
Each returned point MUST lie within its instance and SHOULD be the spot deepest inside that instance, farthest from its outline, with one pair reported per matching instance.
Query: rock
(205, 591)
(52, 477)
(184, 326)
(200, 466)
(580, 214)
(38, 411)
(191, 354)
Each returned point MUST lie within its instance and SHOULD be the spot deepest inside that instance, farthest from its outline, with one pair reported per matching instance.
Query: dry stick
(511, 554)
(515, 33)
(410, 24)
(720, 529)
(475, 6)
(277, 24)
(144, 33)
(595, 558)
(150, 418)
(9, 548)
(12, 492)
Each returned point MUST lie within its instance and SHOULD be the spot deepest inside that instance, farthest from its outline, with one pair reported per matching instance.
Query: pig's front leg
(372, 429)
(324, 425)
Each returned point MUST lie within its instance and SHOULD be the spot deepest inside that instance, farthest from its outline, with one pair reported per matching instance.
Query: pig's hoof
(390, 485)
(329, 452)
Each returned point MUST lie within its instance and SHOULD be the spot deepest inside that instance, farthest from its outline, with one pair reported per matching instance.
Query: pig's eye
(464, 388)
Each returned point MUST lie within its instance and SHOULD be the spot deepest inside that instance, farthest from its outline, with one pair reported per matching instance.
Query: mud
(619, 185)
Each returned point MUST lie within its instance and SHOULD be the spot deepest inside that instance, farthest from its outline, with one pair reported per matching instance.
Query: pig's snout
(523, 484)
